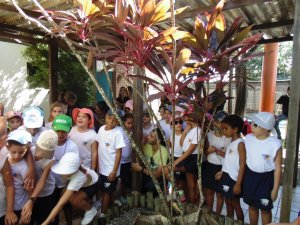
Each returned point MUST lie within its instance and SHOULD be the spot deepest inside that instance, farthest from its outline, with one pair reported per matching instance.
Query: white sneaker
(89, 216)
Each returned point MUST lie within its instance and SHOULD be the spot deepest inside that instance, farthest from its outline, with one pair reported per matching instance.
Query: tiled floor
(276, 210)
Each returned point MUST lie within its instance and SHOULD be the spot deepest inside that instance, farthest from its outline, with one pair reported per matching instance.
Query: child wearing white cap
(17, 143)
(42, 200)
(82, 185)
(263, 171)
(7, 215)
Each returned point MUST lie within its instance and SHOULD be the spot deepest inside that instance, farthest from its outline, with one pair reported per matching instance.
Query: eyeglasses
(254, 125)
(177, 122)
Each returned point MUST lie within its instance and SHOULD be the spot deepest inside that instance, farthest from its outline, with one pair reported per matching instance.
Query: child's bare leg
(238, 210)
(229, 207)
(266, 217)
(191, 187)
(80, 200)
(220, 202)
(253, 215)
(209, 196)
(105, 201)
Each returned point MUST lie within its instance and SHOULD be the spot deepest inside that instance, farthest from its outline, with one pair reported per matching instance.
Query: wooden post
(150, 200)
(137, 128)
(292, 136)
(136, 199)
(221, 220)
(268, 77)
(157, 204)
(143, 201)
(116, 210)
(130, 199)
(229, 220)
(53, 66)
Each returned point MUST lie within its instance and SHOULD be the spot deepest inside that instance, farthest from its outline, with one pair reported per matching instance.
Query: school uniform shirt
(3, 157)
(166, 127)
(60, 150)
(260, 154)
(40, 165)
(231, 164)
(178, 151)
(154, 159)
(19, 171)
(218, 142)
(127, 150)
(84, 142)
(146, 132)
(80, 179)
(109, 141)
(192, 137)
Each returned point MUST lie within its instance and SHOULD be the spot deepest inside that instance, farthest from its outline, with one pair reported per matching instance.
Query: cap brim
(36, 124)
(62, 169)
(258, 121)
(61, 127)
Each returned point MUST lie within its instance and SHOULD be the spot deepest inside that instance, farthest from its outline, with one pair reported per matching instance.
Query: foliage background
(71, 75)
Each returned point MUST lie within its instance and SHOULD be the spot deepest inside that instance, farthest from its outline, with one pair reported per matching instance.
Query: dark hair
(103, 106)
(12, 142)
(234, 121)
(160, 136)
(127, 116)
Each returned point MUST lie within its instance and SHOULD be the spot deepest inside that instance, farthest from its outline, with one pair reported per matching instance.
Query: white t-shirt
(177, 147)
(127, 150)
(40, 165)
(231, 164)
(166, 128)
(3, 157)
(60, 150)
(19, 171)
(80, 179)
(109, 141)
(84, 142)
(48, 125)
(218, 142)
(146, 132)
(260, 154)
(192, 137)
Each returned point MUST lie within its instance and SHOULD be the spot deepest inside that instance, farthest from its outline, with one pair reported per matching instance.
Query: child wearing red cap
(85, 136)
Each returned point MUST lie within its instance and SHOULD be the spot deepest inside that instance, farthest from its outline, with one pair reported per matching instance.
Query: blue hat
(169, 108)
(21, 136)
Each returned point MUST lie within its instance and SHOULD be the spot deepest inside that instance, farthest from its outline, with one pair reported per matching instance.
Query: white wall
(14, 91)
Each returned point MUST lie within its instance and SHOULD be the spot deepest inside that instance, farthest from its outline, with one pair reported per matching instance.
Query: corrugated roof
(274, 18)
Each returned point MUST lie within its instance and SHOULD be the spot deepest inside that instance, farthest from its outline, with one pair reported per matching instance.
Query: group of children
(57, 165)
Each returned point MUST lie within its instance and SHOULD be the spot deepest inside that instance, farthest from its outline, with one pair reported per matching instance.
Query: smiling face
(111, 122)
(83, 120)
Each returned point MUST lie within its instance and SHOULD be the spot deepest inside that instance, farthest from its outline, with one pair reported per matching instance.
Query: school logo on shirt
(230, 151)
(226, 188)
(266, 156)
(190, 140)
(107, 144)
(264, 201)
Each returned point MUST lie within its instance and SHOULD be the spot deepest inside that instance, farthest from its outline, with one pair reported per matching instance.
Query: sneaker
(89, 216)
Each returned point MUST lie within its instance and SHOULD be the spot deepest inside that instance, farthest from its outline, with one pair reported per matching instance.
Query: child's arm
(27, 209)
(112, 176)
(62, 201)
(94, 148)
(242, 161)
(277, 174)
(10, 216)
(30, 176)
(186, 130)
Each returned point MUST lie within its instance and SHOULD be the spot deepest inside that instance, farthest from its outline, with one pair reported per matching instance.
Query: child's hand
(29, 181)
(237, 189)
(211, 149)
(112, 176)
(10, 218)
(27, 211)
(188, 128)
(136, 167)
(218, 175)
(274, 195)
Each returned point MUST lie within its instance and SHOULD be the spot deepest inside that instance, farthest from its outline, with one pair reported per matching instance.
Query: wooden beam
(22, 38)
(272, 25)
(8, 27)
(274, 40)
(227, 6)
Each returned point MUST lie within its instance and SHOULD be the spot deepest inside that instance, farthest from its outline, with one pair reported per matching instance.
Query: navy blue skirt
(257, 188)
(190, 164)
(226, 185)
(209, 171)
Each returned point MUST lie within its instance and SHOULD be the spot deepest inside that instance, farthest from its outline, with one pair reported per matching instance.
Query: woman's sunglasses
(177, 122)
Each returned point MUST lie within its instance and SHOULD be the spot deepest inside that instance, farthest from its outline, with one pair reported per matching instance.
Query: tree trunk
(241, 90)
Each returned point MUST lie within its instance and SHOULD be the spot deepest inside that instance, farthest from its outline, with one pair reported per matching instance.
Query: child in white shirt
(111, 142)
(233, 168)
(85, 137)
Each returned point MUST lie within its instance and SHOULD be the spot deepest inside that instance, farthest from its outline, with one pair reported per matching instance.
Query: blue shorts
(209, 171)
(125, 174)
(107, 186)
(179, 175)
(90, 191)
(226, 185)
(257, 188)
(190, 164)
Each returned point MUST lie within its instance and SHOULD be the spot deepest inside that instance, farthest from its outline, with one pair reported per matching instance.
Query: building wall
(14, 91)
